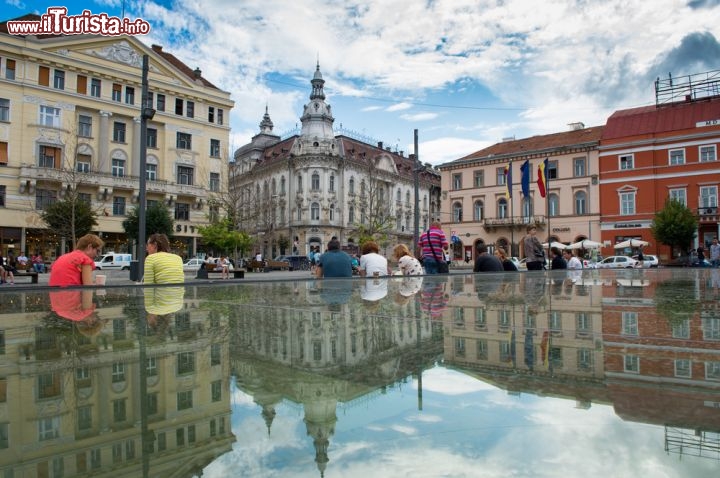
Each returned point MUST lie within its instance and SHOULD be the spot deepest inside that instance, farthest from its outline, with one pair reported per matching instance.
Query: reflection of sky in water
(466, 428)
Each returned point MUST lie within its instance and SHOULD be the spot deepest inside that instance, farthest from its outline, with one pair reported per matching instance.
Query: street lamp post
(417, 167)
(146, 113)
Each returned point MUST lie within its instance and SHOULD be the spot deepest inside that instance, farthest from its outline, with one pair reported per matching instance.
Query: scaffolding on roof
(684, 89)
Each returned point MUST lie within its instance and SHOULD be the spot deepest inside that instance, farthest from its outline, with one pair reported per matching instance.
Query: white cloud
(371, 108)
(443, 150)
(419, 116)
(399, 107)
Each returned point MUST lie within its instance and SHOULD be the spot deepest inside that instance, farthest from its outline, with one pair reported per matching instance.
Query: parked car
(113, 261)
(648, 261)
(522, 265)
(617, 262)
(192, 265)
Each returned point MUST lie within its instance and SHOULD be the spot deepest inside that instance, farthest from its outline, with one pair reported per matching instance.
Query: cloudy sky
(465, 73)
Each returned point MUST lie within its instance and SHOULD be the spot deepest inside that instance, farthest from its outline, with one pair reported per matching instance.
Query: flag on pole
(508, 181)
(542, 177)
(525, 178)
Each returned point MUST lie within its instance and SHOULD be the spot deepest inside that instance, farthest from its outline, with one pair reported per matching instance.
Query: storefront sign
(700, 124)
(626, 225)
(561, 229)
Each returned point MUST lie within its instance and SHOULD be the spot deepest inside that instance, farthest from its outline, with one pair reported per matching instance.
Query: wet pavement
(592, 373)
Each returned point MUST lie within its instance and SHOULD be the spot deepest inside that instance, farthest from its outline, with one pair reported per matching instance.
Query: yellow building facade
(70, 120)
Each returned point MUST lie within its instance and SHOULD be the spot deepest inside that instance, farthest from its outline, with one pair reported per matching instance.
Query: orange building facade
(650, 154)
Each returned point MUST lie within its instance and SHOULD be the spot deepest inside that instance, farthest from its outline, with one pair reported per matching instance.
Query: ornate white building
(307, 188)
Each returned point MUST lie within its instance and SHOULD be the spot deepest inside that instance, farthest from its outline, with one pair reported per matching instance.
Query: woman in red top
(75, 268)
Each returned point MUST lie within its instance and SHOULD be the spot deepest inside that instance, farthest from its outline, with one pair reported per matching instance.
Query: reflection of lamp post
(146, 113)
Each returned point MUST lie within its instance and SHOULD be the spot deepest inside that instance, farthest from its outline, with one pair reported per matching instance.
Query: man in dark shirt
(487, 262)
(558, 261)
(334, 263)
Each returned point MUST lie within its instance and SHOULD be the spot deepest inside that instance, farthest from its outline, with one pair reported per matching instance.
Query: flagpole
(512, 217)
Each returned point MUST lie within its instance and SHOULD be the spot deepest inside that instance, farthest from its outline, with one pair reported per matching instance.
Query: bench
(267, 266)
(29, 273)
(204, 273)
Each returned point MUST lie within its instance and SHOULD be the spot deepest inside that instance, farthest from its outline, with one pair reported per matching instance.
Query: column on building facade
(104, 163)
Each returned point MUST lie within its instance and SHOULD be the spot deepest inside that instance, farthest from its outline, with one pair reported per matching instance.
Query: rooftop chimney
(380, 144)
(576, 126)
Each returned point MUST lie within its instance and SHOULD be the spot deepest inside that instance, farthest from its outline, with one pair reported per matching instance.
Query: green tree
(675, 225)
(157, 220)
(71, 217)
(220, 235)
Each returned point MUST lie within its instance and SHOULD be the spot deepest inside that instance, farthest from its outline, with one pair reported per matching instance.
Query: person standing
(371, 262)
(75, 268)
(334, 263)
(486, 262)
(162, 266)
(715, 253)
(432, 244)
(534, 254)
(558, 262)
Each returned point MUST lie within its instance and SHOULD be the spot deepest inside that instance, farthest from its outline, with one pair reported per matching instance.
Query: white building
(301, 191)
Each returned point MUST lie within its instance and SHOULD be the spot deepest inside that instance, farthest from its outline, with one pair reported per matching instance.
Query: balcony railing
(512, 222)
(33, 174)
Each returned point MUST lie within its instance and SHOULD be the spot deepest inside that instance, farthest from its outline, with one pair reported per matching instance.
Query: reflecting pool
(591, 373)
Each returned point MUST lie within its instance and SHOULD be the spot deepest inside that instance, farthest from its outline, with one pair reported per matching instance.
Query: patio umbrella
(585, 244)
(630, 243)
(559, 245)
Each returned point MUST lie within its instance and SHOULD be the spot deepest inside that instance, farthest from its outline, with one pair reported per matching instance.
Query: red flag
(542, 178)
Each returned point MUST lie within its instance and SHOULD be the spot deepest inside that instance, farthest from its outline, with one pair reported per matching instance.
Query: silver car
(617, 262)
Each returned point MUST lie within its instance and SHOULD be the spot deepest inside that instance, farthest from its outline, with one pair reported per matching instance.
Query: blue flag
(525, 177)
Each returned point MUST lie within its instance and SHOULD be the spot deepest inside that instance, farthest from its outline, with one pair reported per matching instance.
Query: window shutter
(44, 76)
(3, 153)
(56, 153)
(82, 84)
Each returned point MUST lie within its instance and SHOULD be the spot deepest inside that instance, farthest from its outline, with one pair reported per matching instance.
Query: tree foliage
(70, 217)
(377, 218)
(675, 225)
(221, 235)
(157, 220)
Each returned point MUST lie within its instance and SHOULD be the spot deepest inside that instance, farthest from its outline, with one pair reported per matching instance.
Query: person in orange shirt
(75, 268)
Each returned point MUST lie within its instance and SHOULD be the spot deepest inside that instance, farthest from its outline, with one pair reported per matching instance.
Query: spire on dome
(317, 85)
(266, 125)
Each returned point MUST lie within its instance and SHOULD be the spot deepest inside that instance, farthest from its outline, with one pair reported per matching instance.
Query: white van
(113, 261)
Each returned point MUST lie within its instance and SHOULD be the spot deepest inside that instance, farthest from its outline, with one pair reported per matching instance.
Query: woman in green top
(161, 266)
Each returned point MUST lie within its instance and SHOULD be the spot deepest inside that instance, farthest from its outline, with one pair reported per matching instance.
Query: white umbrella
(559, 245)
(631, 243)
(585, 244)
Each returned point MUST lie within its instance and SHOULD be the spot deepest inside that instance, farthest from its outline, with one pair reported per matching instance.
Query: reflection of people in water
(78, 306)
(433, 298)
(160, 303)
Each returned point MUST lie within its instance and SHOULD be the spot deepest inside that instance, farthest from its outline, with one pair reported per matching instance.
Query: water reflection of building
(323, 356)
(525, 323)
(72, 404)
(646, 342)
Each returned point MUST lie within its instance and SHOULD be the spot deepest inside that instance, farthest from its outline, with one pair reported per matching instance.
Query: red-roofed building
(653, 153)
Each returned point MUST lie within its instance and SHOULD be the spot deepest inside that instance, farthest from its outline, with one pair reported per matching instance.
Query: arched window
(381, 195)
(362, 188)
(315, 182)
(273, 187)
(580, 203)
(527, 207)
(351, 215)
(399, 196)
(352, 186)
(478, 211)
(331, 212)
(502, 208)
(299, 183)
(407, 198)
(332, 183)
(282, 185)
(457, 212)
(553, 205)
(315, 211)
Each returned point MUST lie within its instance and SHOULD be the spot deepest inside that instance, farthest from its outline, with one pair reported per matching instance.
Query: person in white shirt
(372, 264)
(572, 261)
